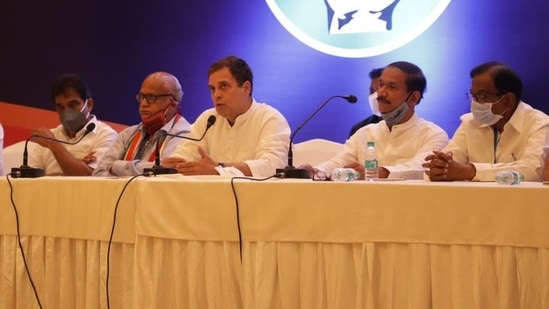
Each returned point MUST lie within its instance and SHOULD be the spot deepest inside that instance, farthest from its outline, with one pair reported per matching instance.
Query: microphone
(290, 171)
(158, 169)
(25, 171)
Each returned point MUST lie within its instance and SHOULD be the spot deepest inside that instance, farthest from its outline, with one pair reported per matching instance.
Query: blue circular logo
(356, 28)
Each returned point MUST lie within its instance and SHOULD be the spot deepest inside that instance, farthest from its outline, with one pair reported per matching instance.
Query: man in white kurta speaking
(248, 138)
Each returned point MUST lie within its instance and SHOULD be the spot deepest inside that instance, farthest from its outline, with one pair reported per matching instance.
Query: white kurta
(519, 147)
(401, 150)
(260, 138)
(97, 141)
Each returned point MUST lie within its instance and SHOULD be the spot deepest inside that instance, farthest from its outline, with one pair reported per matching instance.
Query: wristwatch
(221, 164)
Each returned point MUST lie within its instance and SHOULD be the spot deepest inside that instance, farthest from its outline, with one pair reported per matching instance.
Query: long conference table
(305, 244)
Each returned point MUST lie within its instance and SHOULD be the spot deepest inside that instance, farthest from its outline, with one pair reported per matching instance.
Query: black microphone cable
(19, 242)
(25, 171)
(237, 208)
(111, 236)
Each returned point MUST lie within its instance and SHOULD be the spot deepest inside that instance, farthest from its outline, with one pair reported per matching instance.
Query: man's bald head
(165, 82)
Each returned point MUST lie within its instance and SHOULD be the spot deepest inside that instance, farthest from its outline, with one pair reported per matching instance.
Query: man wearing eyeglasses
(134, 150)
(501, 132)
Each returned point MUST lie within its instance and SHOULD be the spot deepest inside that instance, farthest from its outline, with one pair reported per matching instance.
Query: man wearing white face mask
(501, 132)
(134, 150)
(73, 103)
(375, 74)
(402, 139)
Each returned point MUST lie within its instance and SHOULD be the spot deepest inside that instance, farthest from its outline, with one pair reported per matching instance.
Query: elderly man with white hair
(134, 150)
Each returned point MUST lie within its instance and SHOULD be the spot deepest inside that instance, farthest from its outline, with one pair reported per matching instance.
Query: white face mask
(374, 106)
(482, 112)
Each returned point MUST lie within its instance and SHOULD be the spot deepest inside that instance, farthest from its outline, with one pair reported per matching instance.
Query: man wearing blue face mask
(402, 139)
(501, 132)
(73, 103)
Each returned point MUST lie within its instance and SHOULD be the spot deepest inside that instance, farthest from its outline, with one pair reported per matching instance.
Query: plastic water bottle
(345, 174)
(370, 162)
(509, 177)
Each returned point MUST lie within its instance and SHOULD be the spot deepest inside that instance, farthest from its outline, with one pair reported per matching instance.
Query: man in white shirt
(134, 150)
(501, 132)
(248, 138)
(402, 139)
(73, 103)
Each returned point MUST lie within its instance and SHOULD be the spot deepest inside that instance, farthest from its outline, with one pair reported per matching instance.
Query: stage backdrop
(301, 52)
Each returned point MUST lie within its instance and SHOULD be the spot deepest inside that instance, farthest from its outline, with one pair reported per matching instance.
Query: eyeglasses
(151, 98)
(481, 97)
(321, 176)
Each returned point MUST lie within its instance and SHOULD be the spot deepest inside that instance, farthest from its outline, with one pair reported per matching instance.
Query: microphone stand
(292, 172)
(157, 168)
(25, 171)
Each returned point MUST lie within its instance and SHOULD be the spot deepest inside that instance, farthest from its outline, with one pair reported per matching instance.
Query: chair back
(315, 151)
(13, 156)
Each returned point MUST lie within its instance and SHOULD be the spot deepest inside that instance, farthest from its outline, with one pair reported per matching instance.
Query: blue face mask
(396, 115)
(73, 120)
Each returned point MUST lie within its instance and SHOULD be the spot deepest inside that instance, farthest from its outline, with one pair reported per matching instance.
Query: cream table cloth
(306, 244)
